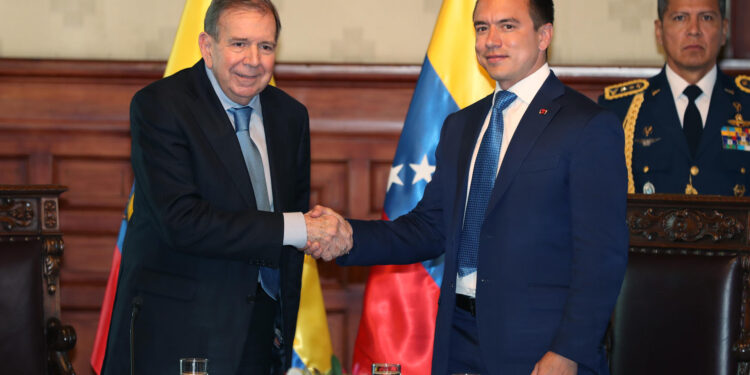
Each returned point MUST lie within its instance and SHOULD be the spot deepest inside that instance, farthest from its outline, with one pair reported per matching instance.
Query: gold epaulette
(624, 89)
(743, 83)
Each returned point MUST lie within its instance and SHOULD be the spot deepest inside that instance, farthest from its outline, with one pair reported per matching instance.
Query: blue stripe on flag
(297, 361)
(430, 105)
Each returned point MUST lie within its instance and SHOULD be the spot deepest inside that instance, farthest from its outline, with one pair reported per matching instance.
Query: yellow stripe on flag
(312, 341)
(452, 55)
(185, 51)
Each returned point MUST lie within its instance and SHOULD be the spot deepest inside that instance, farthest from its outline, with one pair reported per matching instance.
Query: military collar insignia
(624, 89)
(743, 83)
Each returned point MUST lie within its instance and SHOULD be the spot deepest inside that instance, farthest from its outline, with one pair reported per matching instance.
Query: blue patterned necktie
(482, 182)
(269, 277)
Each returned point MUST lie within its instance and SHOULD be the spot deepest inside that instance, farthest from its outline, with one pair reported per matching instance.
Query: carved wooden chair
(32, 339)
(682, 308)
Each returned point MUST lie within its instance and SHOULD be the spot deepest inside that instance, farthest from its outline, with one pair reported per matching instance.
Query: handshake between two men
(328, 234)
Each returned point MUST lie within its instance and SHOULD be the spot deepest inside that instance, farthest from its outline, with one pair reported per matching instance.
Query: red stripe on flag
(398, 319)
(100, 342)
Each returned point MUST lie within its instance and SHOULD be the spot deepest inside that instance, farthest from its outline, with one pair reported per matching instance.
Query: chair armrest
(60, 339)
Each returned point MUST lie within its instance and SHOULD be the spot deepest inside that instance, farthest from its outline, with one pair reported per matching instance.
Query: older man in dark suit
(222, 168)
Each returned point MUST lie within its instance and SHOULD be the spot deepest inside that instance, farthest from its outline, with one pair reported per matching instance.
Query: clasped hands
(328, 234)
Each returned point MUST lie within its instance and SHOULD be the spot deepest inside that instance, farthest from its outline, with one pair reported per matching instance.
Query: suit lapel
(532, 125)
(274, 128)
(214, 122)
(471, 129)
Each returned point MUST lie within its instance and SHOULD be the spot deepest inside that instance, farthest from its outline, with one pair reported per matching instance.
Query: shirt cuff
(295, 230)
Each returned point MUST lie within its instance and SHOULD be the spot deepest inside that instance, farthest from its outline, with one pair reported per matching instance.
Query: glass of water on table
(193, 366)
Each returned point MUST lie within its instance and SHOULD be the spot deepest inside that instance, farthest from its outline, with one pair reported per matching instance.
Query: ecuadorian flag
(400, 302)
(312, 341)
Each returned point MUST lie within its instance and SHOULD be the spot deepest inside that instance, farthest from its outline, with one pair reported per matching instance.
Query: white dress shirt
(703, 101)
(525, 91)
(295, 230)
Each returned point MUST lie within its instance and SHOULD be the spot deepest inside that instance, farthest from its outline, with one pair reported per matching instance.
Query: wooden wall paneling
(66, 122)
(740, 38)
(14, 169)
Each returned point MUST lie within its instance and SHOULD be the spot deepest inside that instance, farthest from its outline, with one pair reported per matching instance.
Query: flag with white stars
(400, 303)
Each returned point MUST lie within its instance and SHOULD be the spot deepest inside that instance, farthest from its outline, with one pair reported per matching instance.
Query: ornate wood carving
(50, 213)
(16, 213)
(53, 250)
(687, 225)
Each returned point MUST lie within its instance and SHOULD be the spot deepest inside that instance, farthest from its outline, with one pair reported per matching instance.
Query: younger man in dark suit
(527, 202)
(687, 129)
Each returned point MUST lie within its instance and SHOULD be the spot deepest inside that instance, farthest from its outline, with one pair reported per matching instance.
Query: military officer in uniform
(687, 129)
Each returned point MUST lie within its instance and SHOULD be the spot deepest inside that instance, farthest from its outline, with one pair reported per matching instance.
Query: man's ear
(724, 31)
(545, 36)
(658, 33)
(205, 42)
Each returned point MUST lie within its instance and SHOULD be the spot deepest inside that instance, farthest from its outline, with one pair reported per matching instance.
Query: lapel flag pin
(542, 111)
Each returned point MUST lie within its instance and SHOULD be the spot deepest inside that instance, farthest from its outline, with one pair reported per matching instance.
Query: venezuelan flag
(312, 341)
(400, 302)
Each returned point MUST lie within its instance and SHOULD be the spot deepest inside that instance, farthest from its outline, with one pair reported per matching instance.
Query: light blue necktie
(482, 182)
(269, 277)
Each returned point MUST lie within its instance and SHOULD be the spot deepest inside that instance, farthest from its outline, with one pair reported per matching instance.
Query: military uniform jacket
(656, 149)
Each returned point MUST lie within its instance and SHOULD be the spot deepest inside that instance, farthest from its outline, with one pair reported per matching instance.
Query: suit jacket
(196, 240)
(661, 160)
(553, 245)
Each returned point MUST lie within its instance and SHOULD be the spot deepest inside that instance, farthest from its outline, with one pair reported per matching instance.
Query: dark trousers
(257, 355)
(464, 356)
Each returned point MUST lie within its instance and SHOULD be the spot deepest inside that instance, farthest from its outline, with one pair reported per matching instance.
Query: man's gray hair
(217, 7)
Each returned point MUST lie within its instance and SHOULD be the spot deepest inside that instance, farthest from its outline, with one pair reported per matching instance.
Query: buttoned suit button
(694, 170)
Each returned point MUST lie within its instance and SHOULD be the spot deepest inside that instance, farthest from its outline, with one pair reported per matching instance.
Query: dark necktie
(482, 182)
(692, 124)
(269, 277)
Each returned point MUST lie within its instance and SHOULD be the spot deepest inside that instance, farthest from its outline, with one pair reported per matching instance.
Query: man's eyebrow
(509, 20)
(504, 20)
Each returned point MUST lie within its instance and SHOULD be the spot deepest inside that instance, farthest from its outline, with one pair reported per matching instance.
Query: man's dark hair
(218, 7)
(662, 8)
(541, 12)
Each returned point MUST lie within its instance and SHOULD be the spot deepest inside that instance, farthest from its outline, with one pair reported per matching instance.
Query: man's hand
(328, 234)
(555, 364)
